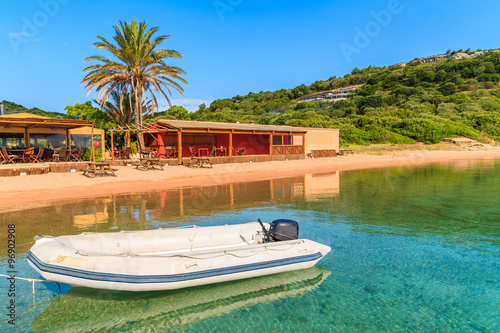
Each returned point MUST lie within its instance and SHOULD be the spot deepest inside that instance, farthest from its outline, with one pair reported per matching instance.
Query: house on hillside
(334, 95)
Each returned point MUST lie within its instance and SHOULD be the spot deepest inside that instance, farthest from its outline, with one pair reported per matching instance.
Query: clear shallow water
(413, 249)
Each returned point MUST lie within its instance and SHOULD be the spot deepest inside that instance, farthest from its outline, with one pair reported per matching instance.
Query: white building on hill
(334, 95)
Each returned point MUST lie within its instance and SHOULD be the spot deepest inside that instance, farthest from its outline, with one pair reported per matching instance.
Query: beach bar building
(26, 130)
(233, 142)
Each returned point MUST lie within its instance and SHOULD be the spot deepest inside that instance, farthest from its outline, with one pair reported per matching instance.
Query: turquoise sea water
(413, 249)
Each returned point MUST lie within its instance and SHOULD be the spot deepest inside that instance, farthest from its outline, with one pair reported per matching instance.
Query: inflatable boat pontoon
(174, 258)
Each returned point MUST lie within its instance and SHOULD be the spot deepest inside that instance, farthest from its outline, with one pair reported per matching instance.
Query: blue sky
(232, 47)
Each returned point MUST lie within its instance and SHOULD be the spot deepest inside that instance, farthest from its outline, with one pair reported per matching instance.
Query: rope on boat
(26, 279)
(33, 288)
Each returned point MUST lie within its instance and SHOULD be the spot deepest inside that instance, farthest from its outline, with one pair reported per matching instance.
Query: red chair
(38, 158)
(193, 152)
(77, 156)
(240, 151)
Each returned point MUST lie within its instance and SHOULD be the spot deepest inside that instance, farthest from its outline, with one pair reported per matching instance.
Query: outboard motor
(283, 230)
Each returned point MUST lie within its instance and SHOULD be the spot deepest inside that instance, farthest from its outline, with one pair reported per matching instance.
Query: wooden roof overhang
(196, 127)
(27, 123)
(149, 128)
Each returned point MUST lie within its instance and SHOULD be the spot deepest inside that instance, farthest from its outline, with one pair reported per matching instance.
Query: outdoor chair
(193, 152)
(240, 151)
(9, 158)
(125, 153)
(77, 156)
(26, 156)
(60, 154)
(146, 152)
(3, 160)
(38, 158)
(170, 152)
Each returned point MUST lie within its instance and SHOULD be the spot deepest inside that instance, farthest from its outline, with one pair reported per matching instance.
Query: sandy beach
(25, 191)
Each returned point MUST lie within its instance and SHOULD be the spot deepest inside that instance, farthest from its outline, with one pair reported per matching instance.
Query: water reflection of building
(320, 185)
(165, 209)
(161, 206)
(97, 216)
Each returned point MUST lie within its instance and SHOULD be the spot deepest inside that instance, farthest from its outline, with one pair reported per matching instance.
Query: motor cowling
(283, 230)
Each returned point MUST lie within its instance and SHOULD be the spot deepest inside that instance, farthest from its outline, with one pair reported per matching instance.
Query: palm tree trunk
(138, 115)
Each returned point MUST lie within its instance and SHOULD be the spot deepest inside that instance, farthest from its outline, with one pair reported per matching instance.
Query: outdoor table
(171, 152)
(345, 151)
(95, 168)
(200, 162)
(146, 153)
(18, 151)
(201, 150)
(21, 152)
(147, 163)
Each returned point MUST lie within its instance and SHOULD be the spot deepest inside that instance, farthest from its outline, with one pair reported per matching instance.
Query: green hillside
(425, 100)
(12, 108)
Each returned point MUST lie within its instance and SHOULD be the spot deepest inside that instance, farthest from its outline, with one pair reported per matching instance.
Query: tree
(202, 107)
(87, 112)
(139, 69)
(121, 112)
(179, 112)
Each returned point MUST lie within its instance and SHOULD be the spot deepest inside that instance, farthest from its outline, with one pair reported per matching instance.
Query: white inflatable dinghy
(174, 258)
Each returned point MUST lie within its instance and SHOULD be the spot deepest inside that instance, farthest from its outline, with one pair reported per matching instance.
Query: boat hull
(57, 260)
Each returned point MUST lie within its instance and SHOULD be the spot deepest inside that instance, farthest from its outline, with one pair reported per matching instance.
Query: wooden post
(68, 141)
(179, 146)
(271, 144)
(92, 156)
(181, 201)
(231, 194)
(231, 144)
(304, 144)
(112, 149)
(26, 138)
(271, 186)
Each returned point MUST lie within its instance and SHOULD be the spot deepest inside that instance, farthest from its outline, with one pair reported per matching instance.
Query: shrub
(133, 147)
(87, 156)
(448, 88)
(489, 85)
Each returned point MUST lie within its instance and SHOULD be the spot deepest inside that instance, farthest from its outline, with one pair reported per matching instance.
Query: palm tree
(139, 69)
(120, 109)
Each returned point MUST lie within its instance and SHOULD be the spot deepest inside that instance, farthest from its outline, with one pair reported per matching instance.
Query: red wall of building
(254, 144)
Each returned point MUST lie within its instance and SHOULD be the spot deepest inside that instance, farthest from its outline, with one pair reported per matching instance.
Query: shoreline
(23, 192)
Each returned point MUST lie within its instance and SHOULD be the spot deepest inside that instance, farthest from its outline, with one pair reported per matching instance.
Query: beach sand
(38, 190)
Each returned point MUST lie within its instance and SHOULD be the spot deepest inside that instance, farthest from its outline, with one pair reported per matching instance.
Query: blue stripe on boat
(125, 278)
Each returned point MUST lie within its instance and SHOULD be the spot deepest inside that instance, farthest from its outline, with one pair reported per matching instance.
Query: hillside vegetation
(405, 103)
(425, 100)
(13, 108)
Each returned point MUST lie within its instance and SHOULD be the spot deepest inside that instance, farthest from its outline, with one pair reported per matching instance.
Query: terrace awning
(27, 121)
(7, 121)
(213, 127)
(185, 126)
